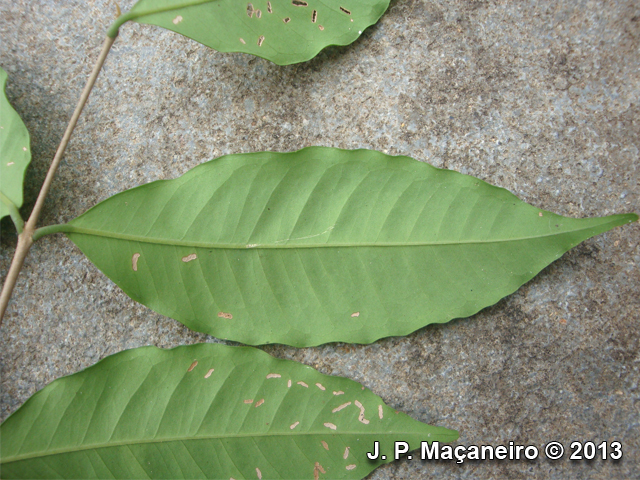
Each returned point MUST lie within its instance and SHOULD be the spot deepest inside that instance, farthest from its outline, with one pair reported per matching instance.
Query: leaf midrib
(98, 446)
(68, 228)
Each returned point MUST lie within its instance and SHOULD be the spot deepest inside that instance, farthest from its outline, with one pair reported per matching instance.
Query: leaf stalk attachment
(133, 15)
(13, 212)
(25, 238)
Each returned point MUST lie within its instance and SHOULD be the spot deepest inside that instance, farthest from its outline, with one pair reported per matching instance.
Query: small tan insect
(259, 402)
(380, 412)
(208, 374)
(337, 409)
(346, 453)
(294, 425)
(289, 384)
(242, 41)
(193, 365)
(189, 258)
(249, 401)
(325, 445)
(355, 314)
(134, 261)
(361, 416)
(177, 20)
(321, 27)
(303, 384)
(228, 316)
(320, 386)
(259, 473)
(331, 426)
(339, 392)
(274, 375)
(350, 467)
(260, 40)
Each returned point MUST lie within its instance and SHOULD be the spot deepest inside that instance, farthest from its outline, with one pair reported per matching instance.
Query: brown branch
(25, 239)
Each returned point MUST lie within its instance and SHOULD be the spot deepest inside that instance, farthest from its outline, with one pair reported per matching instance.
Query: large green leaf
(283, 31)
(15, 155)
(203, 411)
(322, 245)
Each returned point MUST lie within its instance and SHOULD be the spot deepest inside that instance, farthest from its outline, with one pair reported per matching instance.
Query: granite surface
(540, 97)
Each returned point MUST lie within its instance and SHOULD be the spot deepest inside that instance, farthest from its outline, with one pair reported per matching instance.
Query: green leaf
(283, 31)
(203, 411)
(322, 245)
(15, 155)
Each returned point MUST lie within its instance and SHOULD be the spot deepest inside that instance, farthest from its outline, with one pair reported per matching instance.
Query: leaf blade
(281, 32)
(159, 413)
(322, 245)
(15, 156)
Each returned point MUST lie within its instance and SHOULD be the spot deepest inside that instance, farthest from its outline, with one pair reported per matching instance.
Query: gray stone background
(537, 96)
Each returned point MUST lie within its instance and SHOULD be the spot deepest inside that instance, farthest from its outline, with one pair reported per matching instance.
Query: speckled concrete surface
(540, 97)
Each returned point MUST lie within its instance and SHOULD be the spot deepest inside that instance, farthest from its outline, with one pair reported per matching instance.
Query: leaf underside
(282, 31)
(15, 153)
(203, 411)
(322, 245)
